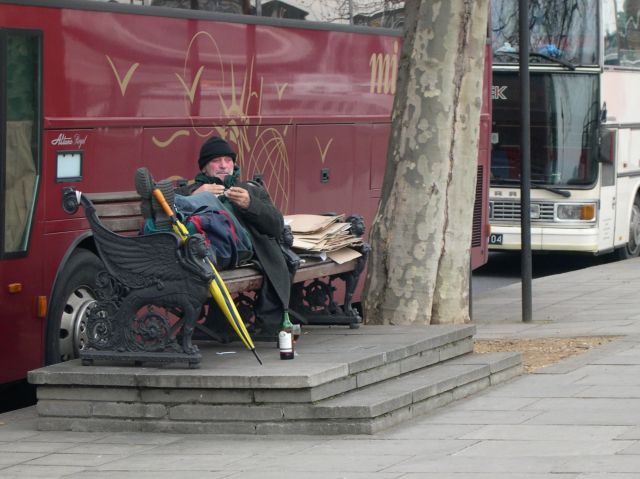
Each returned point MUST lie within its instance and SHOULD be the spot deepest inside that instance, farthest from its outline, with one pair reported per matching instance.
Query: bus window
(610, 30)
(385, 14)
(223, 6)
(566, 29)
(21, 112)
(629, 33)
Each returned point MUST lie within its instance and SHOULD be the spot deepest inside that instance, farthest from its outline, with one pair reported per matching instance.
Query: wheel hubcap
(73, 331)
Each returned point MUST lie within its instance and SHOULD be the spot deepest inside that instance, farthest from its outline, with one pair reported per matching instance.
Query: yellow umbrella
(217, 288)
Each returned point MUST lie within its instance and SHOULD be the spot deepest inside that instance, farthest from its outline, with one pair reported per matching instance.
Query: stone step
(382, 398)
(342, 382)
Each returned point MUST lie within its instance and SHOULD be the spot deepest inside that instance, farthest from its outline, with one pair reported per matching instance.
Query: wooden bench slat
(122, 225)
(250, 279)
(113, 197)
(118, 209)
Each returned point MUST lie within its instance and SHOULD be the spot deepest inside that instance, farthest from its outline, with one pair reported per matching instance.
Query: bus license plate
(495, 239)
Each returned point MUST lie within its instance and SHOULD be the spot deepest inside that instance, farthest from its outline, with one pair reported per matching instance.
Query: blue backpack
(229, 241)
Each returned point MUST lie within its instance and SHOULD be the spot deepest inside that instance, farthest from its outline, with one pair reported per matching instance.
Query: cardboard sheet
(343, 255)
(310, 223)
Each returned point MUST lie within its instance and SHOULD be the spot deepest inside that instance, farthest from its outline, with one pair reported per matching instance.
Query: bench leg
(351, 279)
(314, 302)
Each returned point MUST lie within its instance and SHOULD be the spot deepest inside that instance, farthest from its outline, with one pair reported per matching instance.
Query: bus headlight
(576, 212)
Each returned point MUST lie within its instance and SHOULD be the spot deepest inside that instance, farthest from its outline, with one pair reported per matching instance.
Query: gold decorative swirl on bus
(165, 143)
(123, 82)
(323, 151)
(191, 90)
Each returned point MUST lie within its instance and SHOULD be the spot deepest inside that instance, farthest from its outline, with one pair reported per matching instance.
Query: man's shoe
(144, 187)
(162, 219)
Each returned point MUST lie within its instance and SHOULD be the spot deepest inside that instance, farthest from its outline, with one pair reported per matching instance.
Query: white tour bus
(585, 126)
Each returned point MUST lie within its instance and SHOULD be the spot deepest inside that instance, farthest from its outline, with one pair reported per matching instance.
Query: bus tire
(632, 248)
(74, 293)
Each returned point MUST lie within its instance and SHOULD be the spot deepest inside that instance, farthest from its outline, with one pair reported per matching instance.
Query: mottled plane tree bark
(418, 271)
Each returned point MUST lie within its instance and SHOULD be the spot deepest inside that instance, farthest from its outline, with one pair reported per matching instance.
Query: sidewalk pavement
(578, 419)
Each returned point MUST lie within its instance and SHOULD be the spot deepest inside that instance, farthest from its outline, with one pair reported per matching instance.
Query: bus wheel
(74, 293)
(632, 248)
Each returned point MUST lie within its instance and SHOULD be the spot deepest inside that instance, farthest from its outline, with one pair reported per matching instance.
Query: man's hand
(239, 196)
(211, 188)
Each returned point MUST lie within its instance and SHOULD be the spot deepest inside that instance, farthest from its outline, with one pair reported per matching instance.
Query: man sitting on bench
(252, 207)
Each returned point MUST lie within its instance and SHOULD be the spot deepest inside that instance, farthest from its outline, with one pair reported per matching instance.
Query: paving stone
(128, 410)
(631, 433)
(368, 445)
(305, 395)
(180, 463)
(113, 449)
(138, 438)
(67, 459)
(589, 417)
(321, 428)
(419, 361)
(470, 388)
(312, 475)
(555, 448)
(88, 393)
(465, 464)
(199, 396)
(24, 471)
(514, 432)
(10, 435)
(434, 402)
(47, 407)
(88, 425)
(378, 374)
(416, 430)
(195, 412)
(308, 462)
(487, 417)
(199, 427)
(12, 458)
(505, 375)
(600, 463)
(455, 349)
(153, 474)
(196, 444)
(33, 446)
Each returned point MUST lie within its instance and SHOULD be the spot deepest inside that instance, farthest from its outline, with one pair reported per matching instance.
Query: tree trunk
(419, 266)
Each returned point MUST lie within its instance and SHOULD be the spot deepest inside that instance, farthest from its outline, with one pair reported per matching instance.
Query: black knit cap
(214, 147)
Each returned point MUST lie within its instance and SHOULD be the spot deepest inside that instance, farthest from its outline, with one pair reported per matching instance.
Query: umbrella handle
(157, 194)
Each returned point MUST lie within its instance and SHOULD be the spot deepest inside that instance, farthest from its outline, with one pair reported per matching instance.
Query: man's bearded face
(219, 167)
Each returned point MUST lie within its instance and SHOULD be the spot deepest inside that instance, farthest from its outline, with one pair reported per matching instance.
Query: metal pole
(525, 162)
(258, 8)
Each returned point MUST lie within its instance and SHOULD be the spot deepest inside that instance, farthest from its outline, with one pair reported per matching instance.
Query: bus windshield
(564, 29)
(564, 129)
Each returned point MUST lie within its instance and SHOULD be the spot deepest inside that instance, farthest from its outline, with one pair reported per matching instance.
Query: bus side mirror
(607, 146)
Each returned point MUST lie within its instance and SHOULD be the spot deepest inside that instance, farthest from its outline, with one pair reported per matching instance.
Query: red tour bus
(91, 91)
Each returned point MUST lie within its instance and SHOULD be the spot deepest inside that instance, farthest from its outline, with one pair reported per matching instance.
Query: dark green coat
(265, 223)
